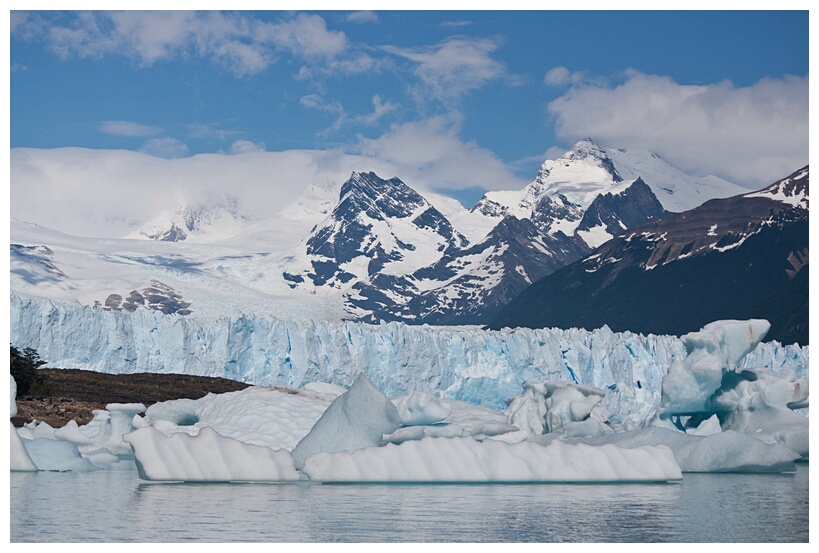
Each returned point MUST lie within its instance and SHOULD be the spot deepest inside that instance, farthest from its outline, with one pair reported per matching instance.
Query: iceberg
(206, 457)
(754, 401)
(358, 418)
(560, 407)
(726, 451)
(20, 459)
(470, 460)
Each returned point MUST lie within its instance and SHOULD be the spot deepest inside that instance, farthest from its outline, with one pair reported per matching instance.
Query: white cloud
(364, 16)
(101, 192)
(165, 147)
(128, 128)
(454, 67)
(380, 109)
(242, 44)
(751, 135)
(210, 131)
(246, 146)
(559, 76)
(461, 23)
(430, 154)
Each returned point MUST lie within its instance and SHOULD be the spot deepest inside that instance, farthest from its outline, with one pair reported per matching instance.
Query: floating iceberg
(206, 457)
(20, 459)
(726, 451)
(560, 407)
(358, 418)
(717, 415)
(469, 460)
(754, 401)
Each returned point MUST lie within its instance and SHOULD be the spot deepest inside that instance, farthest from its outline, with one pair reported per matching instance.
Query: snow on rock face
(469, 460)
(358, 418)
(206, 457)
(422, 408)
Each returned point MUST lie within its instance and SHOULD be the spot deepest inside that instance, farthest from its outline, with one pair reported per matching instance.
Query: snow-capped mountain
(366, 248)
(201, 223)
(378, 227)
(740, 257)
(395, 257)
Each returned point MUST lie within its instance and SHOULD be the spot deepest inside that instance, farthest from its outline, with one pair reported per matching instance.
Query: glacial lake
(115, 506)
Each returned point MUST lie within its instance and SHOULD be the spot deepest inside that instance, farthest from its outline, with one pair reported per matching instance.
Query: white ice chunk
(726, 451)
(206, 457)
(20, 459)
(57, 455)
(713, 351)
(758, 402)
(325, 388)
(276, 416)
(181, 412)
(358, 418)
(422, 408)
(550, 406)
(13, 394)
(469, 460)
(706, 428)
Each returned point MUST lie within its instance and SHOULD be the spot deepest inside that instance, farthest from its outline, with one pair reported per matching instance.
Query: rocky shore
(74, 393)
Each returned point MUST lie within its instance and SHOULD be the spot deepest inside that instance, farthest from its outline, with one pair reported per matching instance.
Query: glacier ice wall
(464, 363)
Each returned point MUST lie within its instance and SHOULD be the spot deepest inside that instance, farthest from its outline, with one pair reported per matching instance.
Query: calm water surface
(115, 506)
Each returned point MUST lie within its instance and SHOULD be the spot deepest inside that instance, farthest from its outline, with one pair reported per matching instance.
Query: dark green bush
(23, 366)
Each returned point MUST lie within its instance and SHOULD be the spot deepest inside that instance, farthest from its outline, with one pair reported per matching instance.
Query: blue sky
(477, 100)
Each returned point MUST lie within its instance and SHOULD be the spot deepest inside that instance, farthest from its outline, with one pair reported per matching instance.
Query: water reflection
(115, 506)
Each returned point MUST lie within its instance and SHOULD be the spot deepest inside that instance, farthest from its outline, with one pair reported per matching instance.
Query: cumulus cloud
(246, 146)
(241, 43)
(559, 76)
(431, 154)
(454, 67)
(364, 16)
(751, 135)
(128, 128)
(88, 192)
(165, 147)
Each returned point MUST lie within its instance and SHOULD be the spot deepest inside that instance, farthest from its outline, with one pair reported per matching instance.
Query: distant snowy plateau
(210, 290)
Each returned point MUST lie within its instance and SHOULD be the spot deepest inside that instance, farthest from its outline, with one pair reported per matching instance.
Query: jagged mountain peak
(793, 189)
(379, 198)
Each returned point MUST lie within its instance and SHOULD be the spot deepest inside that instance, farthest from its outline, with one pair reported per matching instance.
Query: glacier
(464, 363)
